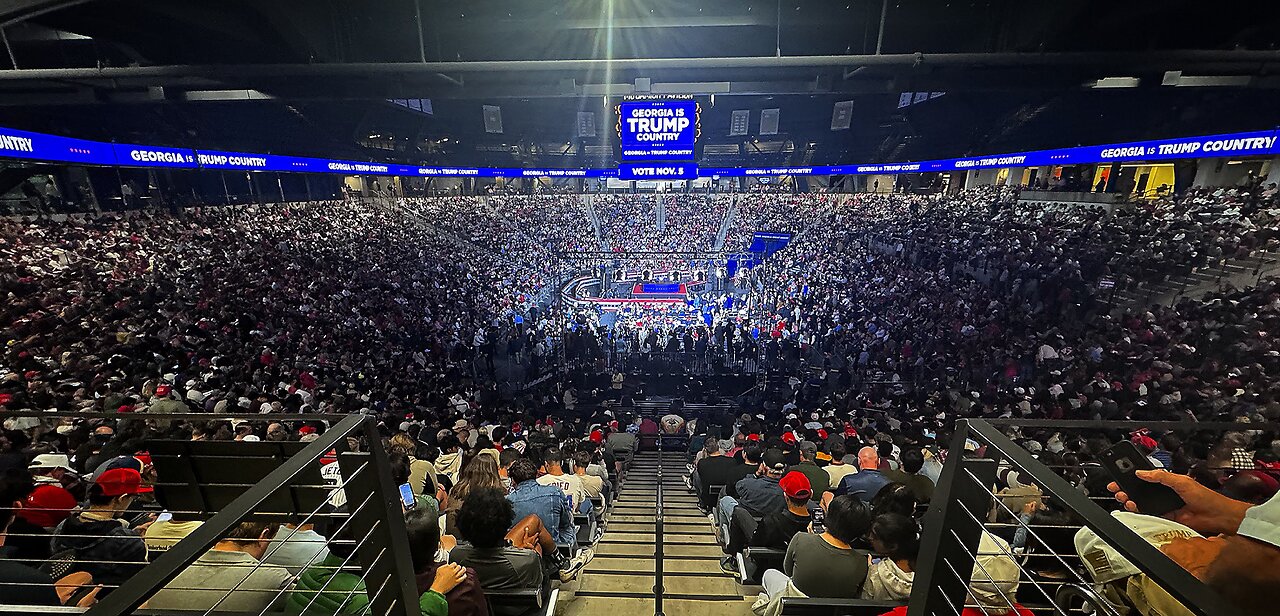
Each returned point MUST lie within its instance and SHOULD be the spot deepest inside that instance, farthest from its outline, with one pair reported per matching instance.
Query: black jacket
(777, 529)
(105, 549)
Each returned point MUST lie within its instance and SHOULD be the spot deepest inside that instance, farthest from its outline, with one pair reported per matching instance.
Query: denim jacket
(549, 504)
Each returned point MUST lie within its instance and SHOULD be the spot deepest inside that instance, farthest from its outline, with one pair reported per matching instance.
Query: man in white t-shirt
(838, 470)
(571, 485)
(593, 485)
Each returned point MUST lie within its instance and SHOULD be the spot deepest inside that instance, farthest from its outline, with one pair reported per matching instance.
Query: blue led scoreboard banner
(657, 171)
(153, 156)
(38, 146)
(26, 145)
(1255, 143)
(664, 129)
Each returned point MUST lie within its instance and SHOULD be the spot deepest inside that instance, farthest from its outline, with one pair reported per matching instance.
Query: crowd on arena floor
(340, 307)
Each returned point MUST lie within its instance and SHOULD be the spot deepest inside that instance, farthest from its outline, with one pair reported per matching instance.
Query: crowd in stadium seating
(689, 222)
(340, 307)
(775, 212)
(1164, 237)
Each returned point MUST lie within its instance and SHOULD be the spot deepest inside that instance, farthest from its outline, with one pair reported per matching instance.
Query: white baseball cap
(1105, 564)
(995, 573)
(50, 460)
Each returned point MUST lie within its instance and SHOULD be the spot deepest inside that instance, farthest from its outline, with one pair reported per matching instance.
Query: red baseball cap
(48, 505)
(117, 481)
(795, 485)
(163, 390)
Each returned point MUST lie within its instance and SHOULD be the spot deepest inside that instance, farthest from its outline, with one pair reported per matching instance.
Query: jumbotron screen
(663, 129)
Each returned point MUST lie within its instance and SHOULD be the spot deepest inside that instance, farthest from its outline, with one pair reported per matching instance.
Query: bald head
(868, 458)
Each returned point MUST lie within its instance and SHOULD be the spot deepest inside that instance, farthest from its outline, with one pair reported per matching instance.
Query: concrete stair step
(670, 566)
(713, 586)
(648, 538)
(630, 518)
(596, 605)
(668, 496)
(669, 526)
(634, 550)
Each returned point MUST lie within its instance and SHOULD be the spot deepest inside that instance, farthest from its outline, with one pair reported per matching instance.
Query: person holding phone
(1241, 551)
(824, 566)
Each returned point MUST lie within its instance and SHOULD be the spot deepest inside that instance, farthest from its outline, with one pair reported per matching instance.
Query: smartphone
(406, 496)
(819, 520)
(164, 516)
(1122, 461)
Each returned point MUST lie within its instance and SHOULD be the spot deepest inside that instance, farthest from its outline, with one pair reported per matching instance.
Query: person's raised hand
(448, 576)
(1205, 511)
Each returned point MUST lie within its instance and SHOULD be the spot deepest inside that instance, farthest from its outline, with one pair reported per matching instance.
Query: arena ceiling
(313, 76)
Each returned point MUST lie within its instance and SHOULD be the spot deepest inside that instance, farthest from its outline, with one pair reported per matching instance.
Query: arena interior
(606, 307)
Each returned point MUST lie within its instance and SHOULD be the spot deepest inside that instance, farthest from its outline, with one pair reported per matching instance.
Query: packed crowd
(828, 505)
(687, 222)
(775, 212)
(497, 499)
(886, 334)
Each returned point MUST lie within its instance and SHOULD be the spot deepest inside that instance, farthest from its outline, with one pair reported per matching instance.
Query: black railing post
(139, 588)
(382, 521)
(658, 555)
(1177, 581)
(952, 531)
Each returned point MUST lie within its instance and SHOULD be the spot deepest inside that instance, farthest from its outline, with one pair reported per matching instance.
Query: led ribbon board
(26, 145)
(1255, 143)
(657, 171)
(658, 129)
(38, 146)
(153, 156)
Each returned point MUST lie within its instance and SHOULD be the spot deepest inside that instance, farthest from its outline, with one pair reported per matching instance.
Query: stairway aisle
(727, 223)
(619, 580)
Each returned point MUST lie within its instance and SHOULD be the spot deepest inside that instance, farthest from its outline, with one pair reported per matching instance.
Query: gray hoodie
(887, 582)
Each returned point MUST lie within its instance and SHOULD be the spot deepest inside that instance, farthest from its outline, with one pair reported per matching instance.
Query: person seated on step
(546, 502)
(776, 529)
(763, 494)
(824, 565)
(570, 484)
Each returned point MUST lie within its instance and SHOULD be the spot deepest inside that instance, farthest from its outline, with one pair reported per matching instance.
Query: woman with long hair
(480, 473)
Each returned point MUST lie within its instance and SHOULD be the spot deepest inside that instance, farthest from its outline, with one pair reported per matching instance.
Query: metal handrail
(658, 555)
(382, 559)
(952, 529)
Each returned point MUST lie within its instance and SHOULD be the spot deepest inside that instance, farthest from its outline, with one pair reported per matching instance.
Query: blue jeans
(724, 510)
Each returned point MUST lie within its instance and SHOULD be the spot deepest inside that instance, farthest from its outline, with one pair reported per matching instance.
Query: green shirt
(819, 480)
(345, 594)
